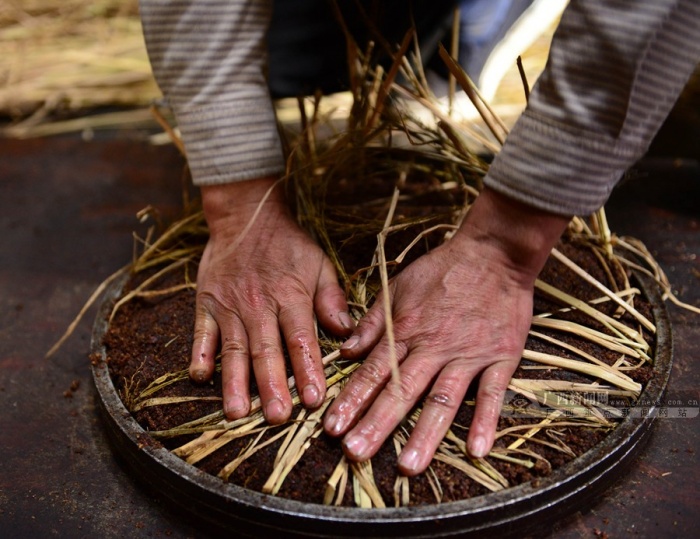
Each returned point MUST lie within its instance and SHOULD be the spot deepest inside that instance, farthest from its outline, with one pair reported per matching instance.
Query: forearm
(209, 58)
(614, 72)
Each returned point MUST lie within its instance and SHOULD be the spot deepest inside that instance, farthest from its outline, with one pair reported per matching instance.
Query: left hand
(460, 312)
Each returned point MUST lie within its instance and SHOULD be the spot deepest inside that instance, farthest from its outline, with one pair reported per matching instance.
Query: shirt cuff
(558, 169)
(229, 143)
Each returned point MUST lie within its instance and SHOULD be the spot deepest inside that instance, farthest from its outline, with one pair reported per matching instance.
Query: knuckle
(490, 394)
(222, 297)
(444, 399)
(293, 292)
(299, 337)
(255, 299)
(508, 345)
(507, 350)
(333, 293)
(370, 374)
(207, 303)
(406, 389)
(233, 347)
(215, 303)
(298, 340)
(201, 333)
(265, 349)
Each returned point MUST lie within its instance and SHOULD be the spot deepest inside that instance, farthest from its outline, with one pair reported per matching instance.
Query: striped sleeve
(209, 59)
(615, 70)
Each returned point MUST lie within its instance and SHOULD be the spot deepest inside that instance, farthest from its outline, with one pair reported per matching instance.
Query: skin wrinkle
(443, 398)
(233, 346)
(265, 349)
(406, 390)
(368, 376)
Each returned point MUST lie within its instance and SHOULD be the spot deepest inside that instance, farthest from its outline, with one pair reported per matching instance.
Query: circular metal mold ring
(511, 511)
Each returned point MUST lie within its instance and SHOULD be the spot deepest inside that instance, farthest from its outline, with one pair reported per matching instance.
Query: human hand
(460, 312)
(254, 281)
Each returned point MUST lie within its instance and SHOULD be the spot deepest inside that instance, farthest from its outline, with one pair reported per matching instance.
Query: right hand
(460, 314)
(250, 288)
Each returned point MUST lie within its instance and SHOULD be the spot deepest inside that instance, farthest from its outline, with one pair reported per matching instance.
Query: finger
(439, 410)
(235, 368)
(268, 364)
(391, 406)
(368, 332)
(361, 389)
(489, 400)
(297, 324)
(330, 304)
(206, 340)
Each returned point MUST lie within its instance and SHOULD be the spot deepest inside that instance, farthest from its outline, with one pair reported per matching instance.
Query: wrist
(234, 204)
(520, 235)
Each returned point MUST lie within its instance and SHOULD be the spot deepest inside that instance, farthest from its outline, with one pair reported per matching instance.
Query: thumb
(330, 304)
(369, 331)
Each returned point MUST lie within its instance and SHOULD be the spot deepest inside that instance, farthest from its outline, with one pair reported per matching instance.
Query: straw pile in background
(66, 61)
(65, 58)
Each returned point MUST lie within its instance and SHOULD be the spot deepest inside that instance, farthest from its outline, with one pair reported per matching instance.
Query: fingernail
(199, 376)
(351, 343)
(356, 446)
(310, 395)
(334, 425)
(274, 409)
(346, 320)
(409, 459)
(478, 447)
(234, 406)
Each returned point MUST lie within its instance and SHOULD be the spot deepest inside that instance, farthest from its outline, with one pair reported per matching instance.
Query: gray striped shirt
(615, 69)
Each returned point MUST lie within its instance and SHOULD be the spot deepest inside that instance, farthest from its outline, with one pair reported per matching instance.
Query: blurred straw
(63, 60)
(70, 56)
